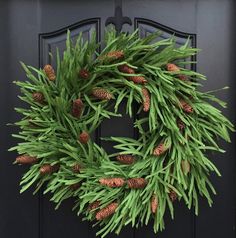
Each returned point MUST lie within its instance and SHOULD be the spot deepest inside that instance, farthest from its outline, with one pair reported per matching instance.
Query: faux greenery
(49, 132)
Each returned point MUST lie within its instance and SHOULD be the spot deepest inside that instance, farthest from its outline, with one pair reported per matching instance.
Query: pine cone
(49, 71)
(112, 182)
(160, 149)
(84, 73)
(76, 168)
(173, 195)
(106, 211)
(101, 94)
(93, 205)
(154, 203)
(175, 68)
(172, 68)
(137, 79)
(185, 166)
(136, 183)
(180, 124)
(26, 159)
(48, 169)
(75, 186)
(183, 77)
(84, 137)
(126, 159)
(147, 99)
(114, 55)
(38, 97)
(126, 69)
(186, 107)
(77, 108)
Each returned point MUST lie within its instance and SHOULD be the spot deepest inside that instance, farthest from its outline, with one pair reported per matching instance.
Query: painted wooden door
(30, 29)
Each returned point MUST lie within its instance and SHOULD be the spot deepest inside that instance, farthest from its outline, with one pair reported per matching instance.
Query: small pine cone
(49, 71)
(137, 79)
(101, 94)
(77, 108)
(38, 97)
(126, 159)
(106, 211)
(48, 169)
(84, 137)
(160, 149)
(180, 124)
(93, 205)
(173, 195)
(76, 168)
(183, 77)
(137, 183)
(126, 69)
(147, 99)
(26, 159)
(112, 182)
(172, 68)
(114, 55)
(186, 107)
(154, 203)
(185, 165)
(84, 73)
(75, 186)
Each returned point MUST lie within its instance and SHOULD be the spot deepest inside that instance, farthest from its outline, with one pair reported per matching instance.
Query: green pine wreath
(177, 128)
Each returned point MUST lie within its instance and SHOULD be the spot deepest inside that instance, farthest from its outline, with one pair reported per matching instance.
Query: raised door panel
(182, 214)
(63, 222)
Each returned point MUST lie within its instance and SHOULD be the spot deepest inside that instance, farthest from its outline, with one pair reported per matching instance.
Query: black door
(30, 29)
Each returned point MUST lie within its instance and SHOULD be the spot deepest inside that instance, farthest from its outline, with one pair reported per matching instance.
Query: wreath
(177, 126)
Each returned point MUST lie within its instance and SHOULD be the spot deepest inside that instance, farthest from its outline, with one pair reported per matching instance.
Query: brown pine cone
(147, 99)
(126, 159)
(172, 68)
(38, 97)
(185, 165)
(137, 79)
(101, 94)
(180, 124)
(26, 159)
(93, 205)
(75, 186)
(77, 108)
(76, 168)
(183, 77)
(107, 211)
(137, 183)
(84, 137)
(186, 107)
(49, 71)
(48, 169)
(114, 55)
(84, 73)
(112, 182)
(160, 149)
(154, 203)
(173, 195)
(126, 69)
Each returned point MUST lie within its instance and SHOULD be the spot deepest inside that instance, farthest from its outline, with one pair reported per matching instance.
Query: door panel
(182, 214)
(30, 29)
